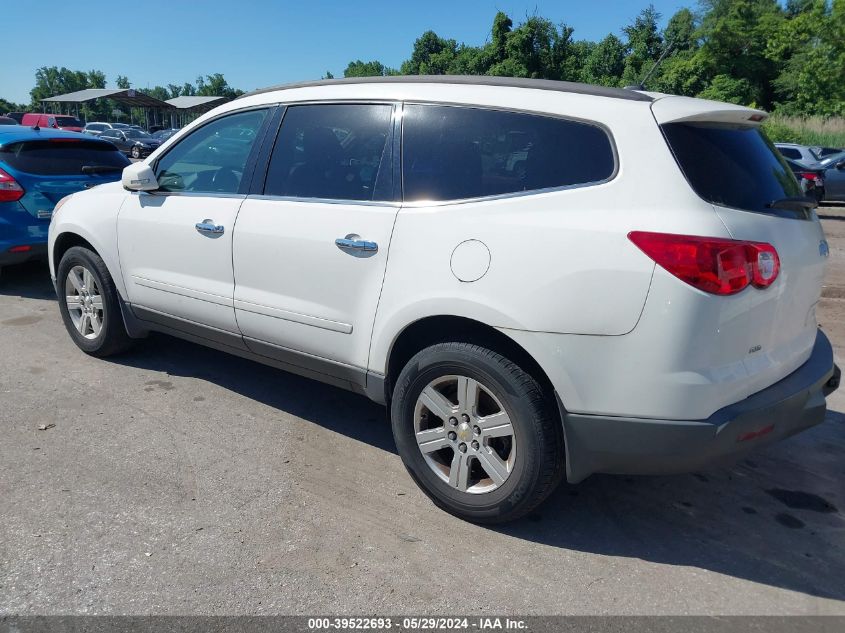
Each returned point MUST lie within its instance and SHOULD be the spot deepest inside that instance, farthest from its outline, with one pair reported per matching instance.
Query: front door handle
(354, 242)
(208, 226)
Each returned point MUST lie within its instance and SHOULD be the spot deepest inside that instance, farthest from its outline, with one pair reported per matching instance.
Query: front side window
(213, 158)
(332, 151)
(453, 153)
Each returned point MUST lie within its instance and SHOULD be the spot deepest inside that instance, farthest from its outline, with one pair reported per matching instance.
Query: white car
(635, 294)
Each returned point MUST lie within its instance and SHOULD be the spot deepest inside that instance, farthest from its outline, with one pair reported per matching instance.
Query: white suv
(538, 278)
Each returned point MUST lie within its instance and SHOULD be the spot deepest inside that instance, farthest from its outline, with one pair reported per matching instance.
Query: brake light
(21, 249)
(10, 190)
(64, 140)
(808, 175)
(715, 265)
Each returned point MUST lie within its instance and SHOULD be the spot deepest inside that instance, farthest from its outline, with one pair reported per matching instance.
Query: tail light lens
(10, 190)
(711, 264)
(808, 175)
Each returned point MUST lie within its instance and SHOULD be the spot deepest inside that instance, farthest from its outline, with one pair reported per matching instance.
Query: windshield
(130, 133)
(732, 165)
(68, 121)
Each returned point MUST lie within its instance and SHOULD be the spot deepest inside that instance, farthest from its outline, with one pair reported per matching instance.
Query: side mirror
(139, 177)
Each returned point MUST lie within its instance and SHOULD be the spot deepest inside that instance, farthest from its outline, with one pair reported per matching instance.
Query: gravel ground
(179, 480)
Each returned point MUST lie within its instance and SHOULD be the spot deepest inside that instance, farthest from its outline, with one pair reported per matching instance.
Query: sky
(258, 43)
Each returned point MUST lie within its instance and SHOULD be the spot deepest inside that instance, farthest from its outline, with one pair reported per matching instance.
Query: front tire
(90, 304)
(136, 152)
(476, 432)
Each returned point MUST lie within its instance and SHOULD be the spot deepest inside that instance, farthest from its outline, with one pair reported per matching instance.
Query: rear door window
(333, 152)
(61, 157)
(453, 153)
(732, 165)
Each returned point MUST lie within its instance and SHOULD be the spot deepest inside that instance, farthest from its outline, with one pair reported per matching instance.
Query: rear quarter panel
(560, 261)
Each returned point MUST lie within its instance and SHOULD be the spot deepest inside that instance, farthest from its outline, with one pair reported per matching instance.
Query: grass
(813, 130)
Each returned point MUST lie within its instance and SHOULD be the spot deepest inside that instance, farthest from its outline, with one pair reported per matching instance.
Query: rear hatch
(52, 168)
(730, 163)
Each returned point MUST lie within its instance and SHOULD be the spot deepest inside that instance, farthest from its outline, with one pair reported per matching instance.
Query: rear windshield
(732, 166)
(68, 121)
(59, 158)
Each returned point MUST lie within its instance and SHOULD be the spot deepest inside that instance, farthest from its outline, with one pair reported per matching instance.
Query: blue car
(37, 169)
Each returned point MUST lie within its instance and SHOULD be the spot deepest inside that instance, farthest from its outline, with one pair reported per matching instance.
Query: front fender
(91, 216)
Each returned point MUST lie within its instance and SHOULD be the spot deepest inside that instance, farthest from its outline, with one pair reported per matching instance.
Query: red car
(55, 121)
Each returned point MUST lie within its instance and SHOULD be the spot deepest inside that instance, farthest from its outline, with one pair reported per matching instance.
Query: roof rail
(472, 80)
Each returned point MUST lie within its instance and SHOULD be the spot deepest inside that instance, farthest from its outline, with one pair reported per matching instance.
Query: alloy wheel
(84, 301)
(464, 434)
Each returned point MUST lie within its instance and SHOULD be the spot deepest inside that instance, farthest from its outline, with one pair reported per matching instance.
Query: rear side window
(452, 153)
(61, 158)
(732, 166)
(335, 152)
(68, 121)
(790, 152)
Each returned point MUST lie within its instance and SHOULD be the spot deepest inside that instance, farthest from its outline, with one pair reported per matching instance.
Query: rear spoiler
(670, 109)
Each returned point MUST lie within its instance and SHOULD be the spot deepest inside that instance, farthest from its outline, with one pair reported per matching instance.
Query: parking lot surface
(179, 480)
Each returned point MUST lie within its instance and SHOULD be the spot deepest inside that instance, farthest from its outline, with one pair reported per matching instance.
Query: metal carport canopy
(129, 97)
(195, 103)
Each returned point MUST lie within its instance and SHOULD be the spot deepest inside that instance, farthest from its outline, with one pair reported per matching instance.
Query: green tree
(605, 63)
(431, 55)
(122, 82)
(645, 44)
(812, 79)
(735, 37)
(9, 106)
(216, 86)
(367, 69)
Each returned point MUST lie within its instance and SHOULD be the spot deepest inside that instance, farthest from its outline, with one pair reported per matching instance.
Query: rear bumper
(602, 444)
(37, 251)
(19, 229)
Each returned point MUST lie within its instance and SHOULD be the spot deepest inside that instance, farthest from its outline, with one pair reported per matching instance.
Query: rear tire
(136, 152)
(476, 432)
(90, 304)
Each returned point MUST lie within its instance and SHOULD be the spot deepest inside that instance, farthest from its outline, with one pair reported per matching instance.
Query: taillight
(10, 190)
(808, 175)
(711, 264)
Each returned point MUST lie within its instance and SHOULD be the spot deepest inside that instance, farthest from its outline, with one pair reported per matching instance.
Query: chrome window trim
(361, 203)
(424, 204)
(513, 194)
(191, 194)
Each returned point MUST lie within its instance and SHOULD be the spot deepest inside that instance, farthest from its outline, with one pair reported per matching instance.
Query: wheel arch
(433, 329)
(64, 242)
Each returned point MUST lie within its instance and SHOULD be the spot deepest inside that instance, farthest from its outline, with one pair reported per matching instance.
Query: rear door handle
(353, 242)
(208, 226)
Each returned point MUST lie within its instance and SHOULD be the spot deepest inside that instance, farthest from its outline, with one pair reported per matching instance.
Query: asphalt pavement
(179, 480)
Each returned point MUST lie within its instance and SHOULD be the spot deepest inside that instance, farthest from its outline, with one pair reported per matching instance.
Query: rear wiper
(801, 202)
(99, 169)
